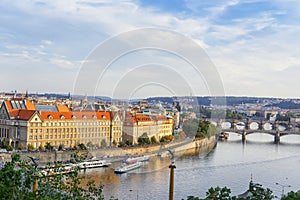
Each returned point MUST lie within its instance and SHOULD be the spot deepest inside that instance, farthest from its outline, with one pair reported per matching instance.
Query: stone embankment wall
(176, 146)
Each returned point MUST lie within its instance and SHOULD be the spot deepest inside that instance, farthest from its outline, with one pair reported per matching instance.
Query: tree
(90, 144)
(14, 182)
(153, 140)
(128, 142)
(21, 146)
(218, 193)
(292, 196)
(41, 147)
(206, 129)
(103, 143)
(48, 146)
(17, 176)
(82, 146)
(30, 147)
(114, 142)
(255, 192)
(60, 147)
(9, 148)
(122, 144)
(144, 139)
(4, 144)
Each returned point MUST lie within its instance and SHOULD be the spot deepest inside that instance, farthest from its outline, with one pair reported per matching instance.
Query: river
(230, 164)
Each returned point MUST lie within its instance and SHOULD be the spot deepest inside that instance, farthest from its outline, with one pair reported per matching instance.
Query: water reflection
(230, 164)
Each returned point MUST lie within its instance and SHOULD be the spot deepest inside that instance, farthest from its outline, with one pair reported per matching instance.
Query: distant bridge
(247, 126)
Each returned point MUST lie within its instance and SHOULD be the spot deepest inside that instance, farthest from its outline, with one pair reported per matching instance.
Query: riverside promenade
(114, 154)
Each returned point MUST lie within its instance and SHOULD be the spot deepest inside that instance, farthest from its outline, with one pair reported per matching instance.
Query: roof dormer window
(50, 117)
(62, 117)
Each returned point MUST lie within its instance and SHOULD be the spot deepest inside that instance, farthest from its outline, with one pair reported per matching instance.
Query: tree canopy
(18, 176)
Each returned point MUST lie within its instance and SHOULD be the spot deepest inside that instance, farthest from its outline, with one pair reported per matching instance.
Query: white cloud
(61, 33)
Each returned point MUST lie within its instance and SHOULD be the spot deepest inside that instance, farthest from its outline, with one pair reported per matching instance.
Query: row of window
(94, 123)
(71, 130)
(82, 135)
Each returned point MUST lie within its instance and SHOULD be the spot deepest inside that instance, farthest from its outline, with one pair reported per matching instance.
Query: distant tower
(26, 94)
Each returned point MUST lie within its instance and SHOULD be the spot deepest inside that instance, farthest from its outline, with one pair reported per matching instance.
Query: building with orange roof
(137, 125)
(23, 124)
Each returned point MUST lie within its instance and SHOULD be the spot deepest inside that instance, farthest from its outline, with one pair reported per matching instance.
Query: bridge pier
(277, 137)
(244, 136)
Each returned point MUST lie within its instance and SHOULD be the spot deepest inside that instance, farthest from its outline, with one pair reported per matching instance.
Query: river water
(230, 164)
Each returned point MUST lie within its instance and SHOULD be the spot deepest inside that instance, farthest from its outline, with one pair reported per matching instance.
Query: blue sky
(254, 44)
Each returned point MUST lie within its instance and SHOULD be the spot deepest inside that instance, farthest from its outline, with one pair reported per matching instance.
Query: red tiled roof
(142, 118)
(62, 108)
(8, 106)
(30, 105)
(22, 114)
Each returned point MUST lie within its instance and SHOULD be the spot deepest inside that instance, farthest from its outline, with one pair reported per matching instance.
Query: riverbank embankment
(115, 154)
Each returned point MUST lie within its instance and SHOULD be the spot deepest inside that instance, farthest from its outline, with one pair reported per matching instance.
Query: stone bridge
(248, 126)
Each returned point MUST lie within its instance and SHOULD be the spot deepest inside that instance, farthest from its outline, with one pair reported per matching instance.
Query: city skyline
(252, 44)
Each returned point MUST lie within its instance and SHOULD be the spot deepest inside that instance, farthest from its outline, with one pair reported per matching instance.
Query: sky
(253, 46)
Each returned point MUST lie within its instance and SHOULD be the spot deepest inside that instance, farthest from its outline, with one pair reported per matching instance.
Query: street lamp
(137, 193)
(282, 188)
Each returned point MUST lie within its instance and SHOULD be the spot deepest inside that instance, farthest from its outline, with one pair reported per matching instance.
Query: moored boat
(56, 170)
(125, 167)
(223, 136)
(92, 164)
(140, 158)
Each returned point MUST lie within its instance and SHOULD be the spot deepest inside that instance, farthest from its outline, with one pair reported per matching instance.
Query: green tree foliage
(206, 129)
(122, 144)
(233, 115)
(292, 196)
(90, 144)
(103, 143)
(60, 147)
(48, 146)
(13, 184)
(218, 193)
(166, 138)
(205, 112)
(21, 146)
(128, 142)
(5, 145)
(255, 192)
(17, 177)
(153, 140)
(144, 139)
(82, 146)
(286, 117)
(30, 147)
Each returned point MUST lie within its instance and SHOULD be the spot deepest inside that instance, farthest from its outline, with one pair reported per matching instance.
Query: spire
(251, 183)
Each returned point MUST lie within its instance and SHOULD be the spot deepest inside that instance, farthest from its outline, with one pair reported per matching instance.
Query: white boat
(92, 164)
(141, 158)
(125, 167)
(56, 170)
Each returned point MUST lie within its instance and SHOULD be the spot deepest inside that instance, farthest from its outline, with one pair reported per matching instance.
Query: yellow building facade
(22, 124)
